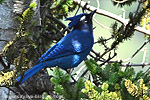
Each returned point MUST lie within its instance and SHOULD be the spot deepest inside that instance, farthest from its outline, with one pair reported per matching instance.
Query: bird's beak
(92, 13)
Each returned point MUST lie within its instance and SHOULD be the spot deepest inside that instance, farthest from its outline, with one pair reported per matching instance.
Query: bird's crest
(74, 20)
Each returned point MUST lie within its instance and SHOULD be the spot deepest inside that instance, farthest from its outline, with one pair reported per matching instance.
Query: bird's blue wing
(46, 53)
(60, 50)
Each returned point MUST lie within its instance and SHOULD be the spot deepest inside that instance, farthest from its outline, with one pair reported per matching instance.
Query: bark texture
(8, 28)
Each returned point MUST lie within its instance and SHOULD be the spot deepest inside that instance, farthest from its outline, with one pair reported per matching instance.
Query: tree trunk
(8, 28)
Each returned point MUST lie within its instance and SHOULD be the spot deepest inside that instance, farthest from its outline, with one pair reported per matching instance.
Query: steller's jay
(71, 50)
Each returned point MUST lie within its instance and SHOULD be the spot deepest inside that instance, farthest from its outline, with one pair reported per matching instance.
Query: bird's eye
(85, 21)
(82, 18)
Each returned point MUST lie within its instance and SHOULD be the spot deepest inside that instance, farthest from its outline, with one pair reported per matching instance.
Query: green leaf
(27, 14)
(65, 8)
(80, 84)
(48, 97)
(113, 78)
(69, 2)
(58, 2)
(139, 75)
(84, 91)
(18, 19)
(59, 89)
(54, 80)
(33, 5)
(115, 67)
(104, 86)
(129, 73)
(117, 86)
(121, 73)
(93, 66)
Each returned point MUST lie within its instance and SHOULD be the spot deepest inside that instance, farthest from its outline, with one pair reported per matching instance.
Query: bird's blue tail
(31, 72)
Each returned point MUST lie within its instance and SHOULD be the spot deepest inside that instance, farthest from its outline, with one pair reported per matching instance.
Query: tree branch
(119, 1)
(135, 65)
(112, 16)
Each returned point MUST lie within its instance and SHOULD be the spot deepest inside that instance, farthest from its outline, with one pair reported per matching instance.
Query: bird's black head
(81, 21)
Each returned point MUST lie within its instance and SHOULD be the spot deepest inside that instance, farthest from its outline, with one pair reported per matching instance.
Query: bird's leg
(71, 76)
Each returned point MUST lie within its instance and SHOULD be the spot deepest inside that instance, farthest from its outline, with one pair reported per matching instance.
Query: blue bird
(71, 50)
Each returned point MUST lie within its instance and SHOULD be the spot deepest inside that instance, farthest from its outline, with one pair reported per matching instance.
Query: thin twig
(146, 70)
(13, 91)
(129, 64)
(8, 94)
(71, 76)
(98, 4)
(140, 2)
(57, 21)
(135, 65)
(108, 50)
(84, 8)
(136, 51)
(97, 54)
(105, 40)
(77, 9)
(3, 63)
(84, 73)
(46, 63)
(144, 55)
(4, 40)
(53, 26)
(109, 58)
